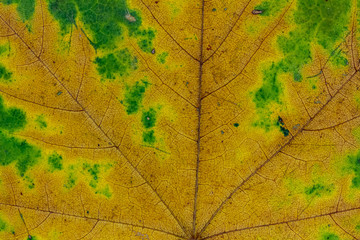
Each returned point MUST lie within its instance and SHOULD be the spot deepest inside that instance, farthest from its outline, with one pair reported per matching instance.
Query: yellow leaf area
(154, 119)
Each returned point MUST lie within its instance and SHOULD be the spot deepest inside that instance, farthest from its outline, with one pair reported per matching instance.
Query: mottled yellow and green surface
(179, 119)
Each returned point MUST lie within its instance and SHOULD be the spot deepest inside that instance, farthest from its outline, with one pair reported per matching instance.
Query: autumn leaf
(154, 119)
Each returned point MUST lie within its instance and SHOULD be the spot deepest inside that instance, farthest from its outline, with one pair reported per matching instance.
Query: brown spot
(257, 12)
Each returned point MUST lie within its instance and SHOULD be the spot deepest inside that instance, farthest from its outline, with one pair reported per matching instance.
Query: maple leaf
(173, 119)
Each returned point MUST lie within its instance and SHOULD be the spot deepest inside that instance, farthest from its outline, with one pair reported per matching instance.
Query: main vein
(201, 62)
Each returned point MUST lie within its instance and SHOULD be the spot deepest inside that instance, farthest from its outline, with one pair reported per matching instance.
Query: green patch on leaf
(104, 21)
(161, 58)
(55, 162)
(29, 181)
(19, 151)
(5, 75)
(94, 171)
(284, 131)
(104, 191)
(40, 120)
(93, 174)
(354, 161)
(145, 39)
(149, 118)
(338, 58)
(317, 22)
(11, 119)
(271, 7)
(282, 127)
(71, 177)
(134, 96)
(63, 11)
(25, 8)
(14, 149)
(149, 137)
(115, 64)
(4, 48)
(318, 190)
(3, 225)
(271, 88)
(330, 236)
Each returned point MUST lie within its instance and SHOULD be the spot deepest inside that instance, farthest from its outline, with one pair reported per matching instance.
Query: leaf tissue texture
(179, 119)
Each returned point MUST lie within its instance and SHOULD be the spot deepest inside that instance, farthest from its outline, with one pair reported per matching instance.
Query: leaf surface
(173, 119)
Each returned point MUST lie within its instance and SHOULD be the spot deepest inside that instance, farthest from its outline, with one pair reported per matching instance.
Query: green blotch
(4, 48)
(5, 75)
(282, 127)
(146, 38)
(174, 8)
(236, 124)
(63, 11)
(317, 22)
(271, 88)
(90, 172)
(94, 172)
(271, 7)
(19, 151)
(313, 80)
(284, 131)
(25, 8)
(149, 137)
(318, 190)
(11, 119)
(40, 120)
(338, 59)
(330, 236)
(296, 49)
(264, 7)
(3, 225)
(115, 64)
(264, 121)
(134, 96)
(102, 18)
(105, 20)
(325, 28)
(105, 191)
(29, 181)
(357, 227)
(71, 178)
(354, 161)
(55, 162)
(161, 58)
(149, 118)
